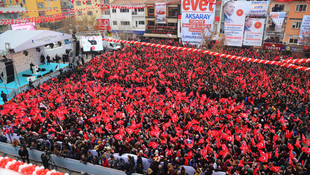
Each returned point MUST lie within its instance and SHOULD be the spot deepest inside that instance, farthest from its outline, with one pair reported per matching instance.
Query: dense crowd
(173, 107)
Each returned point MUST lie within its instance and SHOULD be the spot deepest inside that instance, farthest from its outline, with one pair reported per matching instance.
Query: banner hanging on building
(253, 31)
(234, 17)
(258, 8)
(103, 24)
(304, 35)
(160, 13)
(197, 19)
(277, 18)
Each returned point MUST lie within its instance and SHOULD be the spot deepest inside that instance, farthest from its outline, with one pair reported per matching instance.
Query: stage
(23, 80)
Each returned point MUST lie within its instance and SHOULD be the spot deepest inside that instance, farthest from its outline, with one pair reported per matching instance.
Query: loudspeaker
(77, 48)
(8, 71)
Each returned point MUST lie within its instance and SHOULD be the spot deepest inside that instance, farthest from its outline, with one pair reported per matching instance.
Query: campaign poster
(196, 20)
(92, 43)
(160, 13)
(234, 17)
(277, 18)
(304, 35)
(103, 24)
(253, 31)
(25, 26)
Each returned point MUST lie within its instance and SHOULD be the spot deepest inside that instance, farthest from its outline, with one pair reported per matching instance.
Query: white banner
(258, 8)
(160, 13)
(197, 17)
(304, 35)
(25, 26)
(92, 43)
(234, 17)
(277, 18)
(253, 31)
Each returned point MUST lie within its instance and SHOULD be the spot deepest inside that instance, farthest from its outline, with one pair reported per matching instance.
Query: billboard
(160, 13)
(304, 35)
(197, 17)
(103, 24)
(234, 17)
(25, 26)
(272, 46)
(92, 43)
(253, 31)
(277, 18)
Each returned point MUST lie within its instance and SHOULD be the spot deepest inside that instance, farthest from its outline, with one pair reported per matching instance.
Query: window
(88, 2)
(79, 13)
(296, 25)
(107, 12)
(141, 10)
(10, 2)
(151, 12)
(89, 13)
(125, 23)
(24, 1)
(301, 8)
(124, 10)
(78, 3)
(42, 13)
(106, 1)
(113, 10)
(114, 23)
(173, 12)
(278, 8)
(151, 23)
(40, 5)
(141, 22)
(293, 41)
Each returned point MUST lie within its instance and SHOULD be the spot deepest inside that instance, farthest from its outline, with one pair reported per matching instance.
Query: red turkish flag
(129, 130)
(306, 150)
(290, 146)
(297, 144)
(153, 145)
(275, 168)
(261, 145)
(264, 157)
(276, 153)
(118, 136)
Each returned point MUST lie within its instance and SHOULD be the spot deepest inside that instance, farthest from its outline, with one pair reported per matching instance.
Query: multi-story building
(297, 10)
(6, 9)
(35, 8)
(272, 34)
(105, 10)
(90, 10)
(169, 29)
(67, 8)
(128, 22)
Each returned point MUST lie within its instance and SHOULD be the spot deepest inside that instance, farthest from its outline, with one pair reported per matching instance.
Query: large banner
(92, 43)
(234, 17)
(197, 17)
(253, 31)
(277, 18)
(25, 26)
(103, 24)
(160, 13)
(304, 35)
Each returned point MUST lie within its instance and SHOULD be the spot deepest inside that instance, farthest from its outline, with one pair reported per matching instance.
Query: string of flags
(250, 60)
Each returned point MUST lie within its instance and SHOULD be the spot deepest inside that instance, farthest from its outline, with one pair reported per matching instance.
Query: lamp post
(8, 48)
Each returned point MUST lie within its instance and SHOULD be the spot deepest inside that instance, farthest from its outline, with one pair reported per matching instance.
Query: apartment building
(86, 10)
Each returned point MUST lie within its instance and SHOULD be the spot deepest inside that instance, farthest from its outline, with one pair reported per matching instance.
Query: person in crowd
(31, 67)
(105, 161)
(48, 58)
(45, 160)
(23, 153)
(4, 97)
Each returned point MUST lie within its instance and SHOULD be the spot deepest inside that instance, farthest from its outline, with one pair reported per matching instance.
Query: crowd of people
(174, 107)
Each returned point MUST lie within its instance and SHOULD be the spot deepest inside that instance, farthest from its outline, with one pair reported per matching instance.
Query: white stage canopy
(21, 40)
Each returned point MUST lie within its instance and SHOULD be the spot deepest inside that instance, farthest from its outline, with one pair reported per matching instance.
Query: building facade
(129, 23)
(297, 10)
(86, 10)
(168, 29)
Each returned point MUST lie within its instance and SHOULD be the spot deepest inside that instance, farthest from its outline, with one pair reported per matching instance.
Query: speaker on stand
(8, 71)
